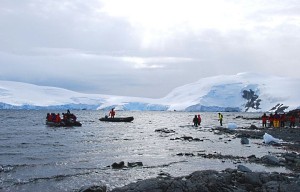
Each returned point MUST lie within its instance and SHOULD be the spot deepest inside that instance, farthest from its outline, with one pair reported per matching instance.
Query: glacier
(249, 92)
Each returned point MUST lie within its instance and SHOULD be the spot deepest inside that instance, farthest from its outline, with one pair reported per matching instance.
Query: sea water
(35, 157)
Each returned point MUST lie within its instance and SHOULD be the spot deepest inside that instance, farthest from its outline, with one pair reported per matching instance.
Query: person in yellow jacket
(276, 120)
(220, 119)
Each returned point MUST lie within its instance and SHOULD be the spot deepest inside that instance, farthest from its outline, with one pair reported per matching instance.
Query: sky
(145, 48)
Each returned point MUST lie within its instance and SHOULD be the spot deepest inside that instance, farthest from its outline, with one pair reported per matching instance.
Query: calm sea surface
(34, 157)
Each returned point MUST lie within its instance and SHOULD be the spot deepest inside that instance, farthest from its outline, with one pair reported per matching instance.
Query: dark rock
(118, 165)
(253, 127)
(243, 168)
(165, 130)
(213, 181)
(244, 141)
(93, 189)
(270, 160)
(187, 138)
(134, 164)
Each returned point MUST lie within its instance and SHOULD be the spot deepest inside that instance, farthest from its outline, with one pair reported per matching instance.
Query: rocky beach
(240, 179)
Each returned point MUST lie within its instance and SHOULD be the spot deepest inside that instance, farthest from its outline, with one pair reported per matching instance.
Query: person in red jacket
(264, 120)
(292, 121)
(49, 118)
(282, 120)
(57, 118)
(112, 113)
(199, 119)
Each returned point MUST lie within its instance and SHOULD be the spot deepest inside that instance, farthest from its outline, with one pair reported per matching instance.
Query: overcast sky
(145, 48)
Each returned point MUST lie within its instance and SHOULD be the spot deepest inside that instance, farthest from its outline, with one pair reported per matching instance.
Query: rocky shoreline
(240, 179)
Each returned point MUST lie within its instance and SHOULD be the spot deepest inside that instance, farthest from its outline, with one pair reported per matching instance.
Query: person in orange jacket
(49, 118)
(292, 121)
(112, 113)
(57, 118)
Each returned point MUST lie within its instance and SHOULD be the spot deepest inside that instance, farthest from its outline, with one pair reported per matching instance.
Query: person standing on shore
(264, 120)
(276, 120)
(220, 118)
(282, 120)
(195, 121)
(199, 119)
(292, 121)
(271, 120)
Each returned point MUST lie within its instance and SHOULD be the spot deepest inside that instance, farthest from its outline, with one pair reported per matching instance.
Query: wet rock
(243, 168)
(213, 181)
(244, 141)
(134, 164)
(187, 138)
(185, 154)
(165, 130)
(270, 160)
(253, 127)
(93, 189)
(290, 157)
(253, 178)
(118, 165)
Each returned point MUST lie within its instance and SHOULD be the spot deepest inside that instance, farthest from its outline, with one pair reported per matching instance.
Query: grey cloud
(72, 44)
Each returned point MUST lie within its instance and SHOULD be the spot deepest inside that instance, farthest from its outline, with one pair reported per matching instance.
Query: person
(221, 119)
(199, 119)
(64, 117)
(271, 120)
(195, 120)
(112, 113)
(57, 118)
(292, 121)
(282, 120)
(49, 118)
(68, 111)
(53, 117)
(276, 119)
(264, 120)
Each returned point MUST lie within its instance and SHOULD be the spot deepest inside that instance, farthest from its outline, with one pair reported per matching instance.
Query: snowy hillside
(245, 92)
(242, 92)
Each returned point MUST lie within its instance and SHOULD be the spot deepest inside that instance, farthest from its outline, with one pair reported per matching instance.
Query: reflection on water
(34, 157)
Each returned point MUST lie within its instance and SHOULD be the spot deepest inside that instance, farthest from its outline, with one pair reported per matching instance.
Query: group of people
(197, 119)
(52, 117)
(278, 120)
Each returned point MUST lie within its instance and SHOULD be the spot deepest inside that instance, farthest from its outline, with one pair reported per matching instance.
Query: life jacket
(112, 113)
(264, 118)
(220, 116)
(57, 119)
(293, 119)
(199, 119)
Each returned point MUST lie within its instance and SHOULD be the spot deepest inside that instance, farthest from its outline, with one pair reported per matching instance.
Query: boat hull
(117, 119)
(64, 124)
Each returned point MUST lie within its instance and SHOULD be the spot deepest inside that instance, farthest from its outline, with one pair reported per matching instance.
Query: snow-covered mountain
(242, 92)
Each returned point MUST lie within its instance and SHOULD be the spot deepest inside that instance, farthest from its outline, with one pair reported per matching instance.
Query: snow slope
(226, 92)
(241, 92)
